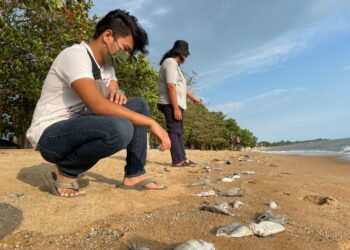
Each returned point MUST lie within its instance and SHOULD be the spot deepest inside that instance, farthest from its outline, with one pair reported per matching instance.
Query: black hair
(167, 55)
(123, 24)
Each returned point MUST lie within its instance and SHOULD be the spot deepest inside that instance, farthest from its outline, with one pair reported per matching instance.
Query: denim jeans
(77, 144)
(175, 130)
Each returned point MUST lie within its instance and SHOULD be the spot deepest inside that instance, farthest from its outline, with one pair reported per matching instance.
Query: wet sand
(313, 192)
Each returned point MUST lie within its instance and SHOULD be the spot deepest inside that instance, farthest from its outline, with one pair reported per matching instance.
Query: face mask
(118, 59)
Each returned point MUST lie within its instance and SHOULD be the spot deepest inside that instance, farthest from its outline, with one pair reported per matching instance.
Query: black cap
(180, 47)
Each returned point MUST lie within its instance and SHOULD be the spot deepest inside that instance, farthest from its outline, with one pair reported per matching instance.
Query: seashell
(195, 245)
(272, 205)
(227, 229)
(230, 178)
(266, 228)
(205, 194)
(226, 179)
(268, 216)
(237, 204)
(241, 231)
(232, 192)
(248, 172)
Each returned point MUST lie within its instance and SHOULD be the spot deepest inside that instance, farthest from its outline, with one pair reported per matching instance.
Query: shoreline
(311, 191)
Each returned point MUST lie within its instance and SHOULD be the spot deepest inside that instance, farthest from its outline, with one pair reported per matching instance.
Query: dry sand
(313, 192)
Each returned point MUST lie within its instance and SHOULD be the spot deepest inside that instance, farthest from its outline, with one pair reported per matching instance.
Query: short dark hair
(123, 24)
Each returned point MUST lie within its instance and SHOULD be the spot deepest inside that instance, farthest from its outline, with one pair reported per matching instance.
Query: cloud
(237, 106)
(346, 68)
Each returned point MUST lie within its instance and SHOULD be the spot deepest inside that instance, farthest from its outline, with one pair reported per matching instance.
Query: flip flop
(141, 186)
(53, 184)
(184, 164)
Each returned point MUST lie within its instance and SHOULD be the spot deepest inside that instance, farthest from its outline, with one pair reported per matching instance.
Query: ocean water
(337, 147)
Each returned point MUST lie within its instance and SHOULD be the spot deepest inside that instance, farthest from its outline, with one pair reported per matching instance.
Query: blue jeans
(77, 144)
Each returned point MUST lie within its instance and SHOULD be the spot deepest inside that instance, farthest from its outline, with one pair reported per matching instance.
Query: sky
(280, 68)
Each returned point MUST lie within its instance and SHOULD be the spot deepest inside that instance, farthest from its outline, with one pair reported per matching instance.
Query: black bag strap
(95, 69)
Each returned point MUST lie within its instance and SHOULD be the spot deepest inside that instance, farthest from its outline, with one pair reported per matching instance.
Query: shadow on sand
(10, 218)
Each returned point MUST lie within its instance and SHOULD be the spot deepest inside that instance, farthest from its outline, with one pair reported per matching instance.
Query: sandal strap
(145, 182)
(67, 185)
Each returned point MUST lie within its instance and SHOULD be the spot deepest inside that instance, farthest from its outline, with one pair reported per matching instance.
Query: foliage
(32, 33)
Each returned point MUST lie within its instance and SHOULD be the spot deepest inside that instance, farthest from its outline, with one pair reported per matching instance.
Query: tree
(32, 33)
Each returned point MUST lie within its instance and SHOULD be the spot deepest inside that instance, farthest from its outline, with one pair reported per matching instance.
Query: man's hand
(117, 97)
(177, 114)
(161, 135)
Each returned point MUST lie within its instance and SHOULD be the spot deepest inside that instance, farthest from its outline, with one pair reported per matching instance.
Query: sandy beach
(312, 192)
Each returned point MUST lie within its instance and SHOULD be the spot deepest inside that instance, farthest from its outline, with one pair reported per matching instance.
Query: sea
(322, 147)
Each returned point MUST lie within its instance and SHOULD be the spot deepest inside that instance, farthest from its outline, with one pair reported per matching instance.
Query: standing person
(230, 141)
(172, 99)
(82, 116)
(238, 143)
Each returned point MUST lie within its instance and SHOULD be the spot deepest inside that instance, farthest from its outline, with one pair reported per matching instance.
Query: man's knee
(121, 132)
(138, 105)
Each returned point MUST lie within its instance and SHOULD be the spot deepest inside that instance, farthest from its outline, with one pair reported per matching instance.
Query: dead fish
(215, 209)
(195, 245)
(230, 178)
(268, 216)
(234, 230)
(135, 247)
(200, 183)
(223, 204)
(248, 172)
(227, 229)
(232, 192)
(205, 194)
(266, 228)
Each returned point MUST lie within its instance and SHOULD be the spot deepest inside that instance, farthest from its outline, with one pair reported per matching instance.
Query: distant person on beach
(172, 100)
(82, 116)
(230, 141)
(238, 143)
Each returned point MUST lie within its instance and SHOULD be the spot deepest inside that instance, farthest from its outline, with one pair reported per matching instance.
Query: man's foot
(130, 182)
(66, 192)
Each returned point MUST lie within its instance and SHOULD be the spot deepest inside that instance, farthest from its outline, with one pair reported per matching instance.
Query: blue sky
(280, 68)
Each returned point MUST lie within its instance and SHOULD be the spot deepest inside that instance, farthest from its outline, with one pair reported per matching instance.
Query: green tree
(32, 33)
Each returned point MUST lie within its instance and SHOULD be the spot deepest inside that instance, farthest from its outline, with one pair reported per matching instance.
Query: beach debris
(217, 161)
(203, 182)
(195, 245)
(135, 247)
(207, 169)
(205, 194)
(266, 228)
(234, 230)
(230, 178)
(248, 172)
(220, 208)
(228, 162)
(245, 158)
(232, 192)
(272, 204)
(237, 230)
(237, 204)
(268, 216)
(16, 195)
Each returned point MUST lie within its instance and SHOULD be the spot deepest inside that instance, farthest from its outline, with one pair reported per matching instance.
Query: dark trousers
(77, 144)
(175, 130)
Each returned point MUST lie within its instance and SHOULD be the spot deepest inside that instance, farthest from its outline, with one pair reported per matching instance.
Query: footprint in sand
(320, 200)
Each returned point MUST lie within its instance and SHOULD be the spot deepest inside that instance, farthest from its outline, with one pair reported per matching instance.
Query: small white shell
(266, 228)
(237, 204)
(226, 179)
(272, 205)
(195, 245)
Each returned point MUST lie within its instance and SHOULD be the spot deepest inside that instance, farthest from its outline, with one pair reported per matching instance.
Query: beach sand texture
(313, 192)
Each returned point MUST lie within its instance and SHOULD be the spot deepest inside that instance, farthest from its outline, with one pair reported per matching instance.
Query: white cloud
(236, 106)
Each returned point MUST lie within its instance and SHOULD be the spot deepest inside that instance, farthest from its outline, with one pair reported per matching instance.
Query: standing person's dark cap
(180, 47)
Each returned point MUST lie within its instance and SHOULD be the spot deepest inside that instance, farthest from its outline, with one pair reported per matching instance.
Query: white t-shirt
(58, 101)
(170, 72)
